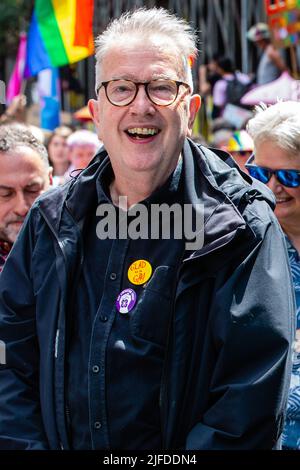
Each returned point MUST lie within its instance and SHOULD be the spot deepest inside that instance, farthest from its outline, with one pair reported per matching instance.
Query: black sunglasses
(288, 178)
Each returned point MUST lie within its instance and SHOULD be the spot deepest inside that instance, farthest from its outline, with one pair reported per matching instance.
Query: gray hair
(14, 135)
(83, 137)
(147, 23)
(278, 123)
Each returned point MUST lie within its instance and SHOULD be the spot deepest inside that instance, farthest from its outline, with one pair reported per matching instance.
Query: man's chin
(11, 234)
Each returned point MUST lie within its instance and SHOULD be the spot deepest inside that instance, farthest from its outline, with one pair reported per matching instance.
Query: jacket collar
(212, 180)
(78, 195)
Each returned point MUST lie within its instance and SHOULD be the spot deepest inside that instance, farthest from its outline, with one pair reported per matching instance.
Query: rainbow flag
(60, 33)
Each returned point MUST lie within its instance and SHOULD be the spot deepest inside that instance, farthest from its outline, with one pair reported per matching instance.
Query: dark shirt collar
(167, 193)
(5, 248)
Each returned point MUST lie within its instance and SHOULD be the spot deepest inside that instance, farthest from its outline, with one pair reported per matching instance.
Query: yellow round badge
(139, 272)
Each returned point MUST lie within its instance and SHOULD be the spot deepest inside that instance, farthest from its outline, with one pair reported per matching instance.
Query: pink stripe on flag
(15, 82)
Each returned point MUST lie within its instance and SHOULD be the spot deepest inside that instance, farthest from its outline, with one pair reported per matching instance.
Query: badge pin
(126, 300)
(139, 272)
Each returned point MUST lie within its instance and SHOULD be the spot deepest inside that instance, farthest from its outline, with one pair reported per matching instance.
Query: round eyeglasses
(160, 92)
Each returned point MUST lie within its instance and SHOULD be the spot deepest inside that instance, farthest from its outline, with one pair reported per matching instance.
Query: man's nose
(21, 205)
(141, 103)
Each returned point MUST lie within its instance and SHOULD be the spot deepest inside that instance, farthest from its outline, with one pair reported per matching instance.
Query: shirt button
(95, 369)
(103, 318)
(113, 276)
(97, 425)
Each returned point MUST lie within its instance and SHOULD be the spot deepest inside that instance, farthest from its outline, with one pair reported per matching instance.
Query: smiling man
(147, 342)
(24, 175)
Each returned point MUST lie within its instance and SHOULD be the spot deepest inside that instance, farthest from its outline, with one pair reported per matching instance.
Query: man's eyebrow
(133, 78)
(33, 183)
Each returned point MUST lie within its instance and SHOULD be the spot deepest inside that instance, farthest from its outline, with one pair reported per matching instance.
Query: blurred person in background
(207, 78)
(82, 146)
(231, 86)
(15, 110)
(240, 146)
(271, 64)
(208, 75)
(219, 139)
(24, 174)
(58, 152)
(276, 162)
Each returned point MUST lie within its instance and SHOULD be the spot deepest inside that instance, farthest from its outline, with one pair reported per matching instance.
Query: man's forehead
(34, 183)
(142, 66)
(154, 50)
(22, 177)
(20, 157)
(138, 42)
(19, 168)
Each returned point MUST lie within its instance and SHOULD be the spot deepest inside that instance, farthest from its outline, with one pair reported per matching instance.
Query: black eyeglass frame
(271, 172)
(145, 84)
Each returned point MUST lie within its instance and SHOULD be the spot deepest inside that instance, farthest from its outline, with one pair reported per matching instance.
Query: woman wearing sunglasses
(276, 162)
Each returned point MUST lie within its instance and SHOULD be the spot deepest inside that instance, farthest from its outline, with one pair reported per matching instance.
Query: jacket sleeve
(252, 332)
(21, 424)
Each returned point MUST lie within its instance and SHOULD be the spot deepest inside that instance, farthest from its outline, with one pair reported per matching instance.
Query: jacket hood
(223, 171)
(223, 190)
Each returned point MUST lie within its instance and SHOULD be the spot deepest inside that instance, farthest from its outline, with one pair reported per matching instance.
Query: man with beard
(24, 174)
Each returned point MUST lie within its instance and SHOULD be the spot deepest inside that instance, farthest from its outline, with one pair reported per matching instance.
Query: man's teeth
(142, 131)
(282, 199)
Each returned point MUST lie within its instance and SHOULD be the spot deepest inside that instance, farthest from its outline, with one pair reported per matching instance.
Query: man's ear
(50, 175)
(195, 104)
(94, 111)
(94, 108)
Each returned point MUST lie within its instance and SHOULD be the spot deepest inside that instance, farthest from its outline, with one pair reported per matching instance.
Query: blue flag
(49, 92)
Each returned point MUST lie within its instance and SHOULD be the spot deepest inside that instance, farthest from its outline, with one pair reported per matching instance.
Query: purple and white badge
(126, 300)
